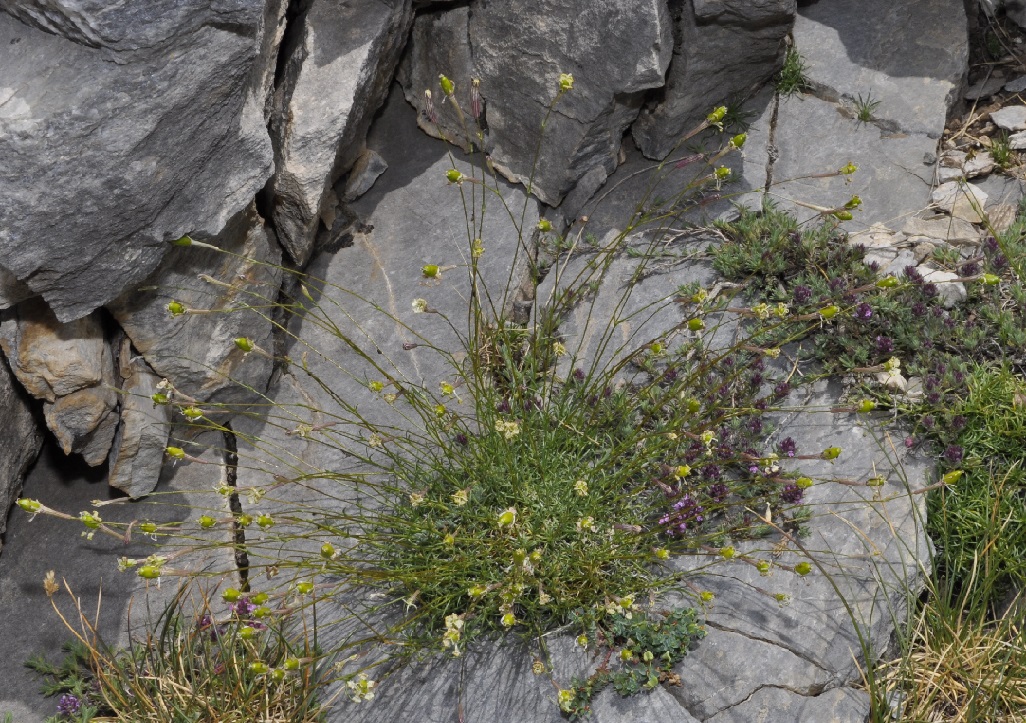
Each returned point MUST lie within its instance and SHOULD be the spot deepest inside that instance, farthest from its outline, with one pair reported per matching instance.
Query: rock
(85, 420)
(983, 88)
(881, 257)
(1015, 10)
(334, 79)
(946, 173)
(813, 138)
(138, 453)
(916, 76)
(1010, 118)
(11, 290)
(53, 359)
(896, 266)
(943, 228)
(961, 200)
(877, 236)
(1017, 141)
(368, 167)
(1001, 216)
(922, 251)
(839, 705)
(721, 51)
(197, 352)
(1017, 85)
(951, 291)
(518, 51)
(979, 165)
(162, 103)
(19, 443)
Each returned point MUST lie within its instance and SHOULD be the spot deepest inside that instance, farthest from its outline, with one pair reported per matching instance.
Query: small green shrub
(791, 79)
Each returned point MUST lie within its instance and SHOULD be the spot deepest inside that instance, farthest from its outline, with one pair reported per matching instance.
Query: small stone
(983, 88)
(896, 267)
(365, 172)
(953, 159)
(944, 228)
(881, 257)
(951, 291)
(923, 251)
(946, 173)
(1017, 85)
(876, 236)
(914, 389)
(961, 200)
(1001, 216)
(1017, 141)
(1011, 118)
(979, 165)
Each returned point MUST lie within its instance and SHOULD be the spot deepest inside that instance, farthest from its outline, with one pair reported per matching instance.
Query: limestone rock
(367, 169)
(518, 51)
(944, 228)
(983, 88)
(961, 200)
(1001, 216)
(867, 48)
(19, 443)
(839, 705)
(197, 352)
(1017, 141)
(721, 50)
(138, 452)
(979, 165)
(1010, 118)
(123, 127)
(951, 291)
(52, 359)
(11, 290)
(335, 78)
(1016, 85)
(84, 421)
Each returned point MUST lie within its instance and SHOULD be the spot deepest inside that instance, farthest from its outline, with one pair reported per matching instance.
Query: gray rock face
(138, 450)
(197, 351)
(916, 76)
(335, 78)
(615, 50)
(721, 50)
(19, 443)
(123, 128)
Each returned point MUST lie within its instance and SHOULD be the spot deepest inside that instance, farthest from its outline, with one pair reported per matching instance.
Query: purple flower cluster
(788, 447)
(686, 511)
(68, 705)
(792, 495)
(802, 294)
(863, 311)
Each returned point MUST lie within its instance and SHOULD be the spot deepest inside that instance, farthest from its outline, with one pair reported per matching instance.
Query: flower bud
(717, 115)
(853, 203)
(763, 567)
(706, 596)
(696, 324)
(990, 279)
(866, 406)
(722, 173)
(175, 308)
(508, 517)
(159, 398)
(245, 344)
(727, 553)
(265, 521)
(90, 519)
(829, 312)
(183, 241)
(148, 572)
(847, 169)
(738, 141)
(231, 595)
(206, 522)
(447, 85)
(258, 668)
(30, 506)
(544, 225)
(192, 413)
(327, 551)
(888, 282)
(843, 215)
(304, 588)
(952, 477)
(430, 271)
(831, 453)
(148, 527)
(803, 568)
(566, 82)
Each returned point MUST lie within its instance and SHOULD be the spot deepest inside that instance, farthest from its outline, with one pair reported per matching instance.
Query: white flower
(419, 306)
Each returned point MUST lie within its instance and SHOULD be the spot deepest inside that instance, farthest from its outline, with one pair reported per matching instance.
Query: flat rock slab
(915, 74)
(815, 136)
